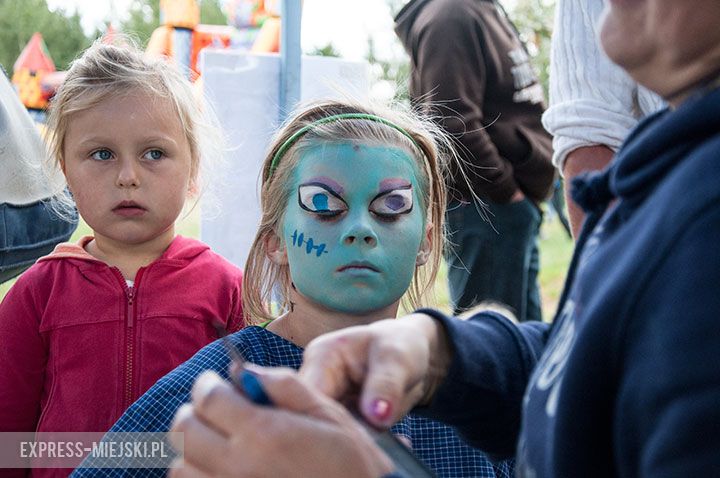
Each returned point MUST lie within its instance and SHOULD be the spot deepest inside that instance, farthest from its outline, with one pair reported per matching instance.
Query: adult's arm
(28, 227)
(593, 103)
(581, 160)
(24, 179)
(592, 100)
(482, 393)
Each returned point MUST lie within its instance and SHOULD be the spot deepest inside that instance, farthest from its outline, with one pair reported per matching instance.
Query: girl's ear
(276, 250)
(425, 247)
(193, 188)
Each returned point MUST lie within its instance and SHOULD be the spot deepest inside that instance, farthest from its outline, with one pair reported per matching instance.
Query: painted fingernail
(380, 409)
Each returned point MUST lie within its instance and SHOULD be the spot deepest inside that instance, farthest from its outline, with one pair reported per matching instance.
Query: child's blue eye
(153, 155)
(101, 155)
(392, 203)
(316, 198)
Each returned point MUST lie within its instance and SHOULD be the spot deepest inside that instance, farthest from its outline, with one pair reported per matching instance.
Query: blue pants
(497, 262)
(26, 233)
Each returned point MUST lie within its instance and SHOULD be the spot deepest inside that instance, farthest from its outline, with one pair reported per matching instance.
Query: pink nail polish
(380, 409)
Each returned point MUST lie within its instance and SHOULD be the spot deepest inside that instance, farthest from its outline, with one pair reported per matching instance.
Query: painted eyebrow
(324, 186)
(396, 188)
(387, 185)
(327, 183)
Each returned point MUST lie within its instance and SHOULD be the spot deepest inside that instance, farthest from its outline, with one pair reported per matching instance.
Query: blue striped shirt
(437, 445)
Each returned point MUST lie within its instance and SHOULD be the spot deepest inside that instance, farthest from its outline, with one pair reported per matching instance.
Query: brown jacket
(471, 69)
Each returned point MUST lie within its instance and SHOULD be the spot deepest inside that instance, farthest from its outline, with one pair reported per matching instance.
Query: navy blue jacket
(626, 382)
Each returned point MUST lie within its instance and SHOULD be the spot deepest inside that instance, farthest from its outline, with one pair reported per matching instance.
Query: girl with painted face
(352, 217)
(90, 327)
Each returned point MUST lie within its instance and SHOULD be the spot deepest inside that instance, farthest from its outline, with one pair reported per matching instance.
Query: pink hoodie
(78, 346)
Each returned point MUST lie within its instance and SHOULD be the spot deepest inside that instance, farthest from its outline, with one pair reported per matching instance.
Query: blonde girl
(90, 327)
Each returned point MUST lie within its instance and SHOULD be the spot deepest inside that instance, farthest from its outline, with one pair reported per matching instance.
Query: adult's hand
(304, 434)
(391, 364)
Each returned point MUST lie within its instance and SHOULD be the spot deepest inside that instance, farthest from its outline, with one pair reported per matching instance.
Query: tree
(143, 19)
(534, 21)
(211, 13)
(390, 75)
(63, 33)
(327, 50)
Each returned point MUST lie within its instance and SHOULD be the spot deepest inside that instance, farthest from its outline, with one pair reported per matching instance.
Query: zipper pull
(130, 297)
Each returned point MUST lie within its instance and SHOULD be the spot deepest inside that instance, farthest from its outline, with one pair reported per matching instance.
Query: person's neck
(307, 320)
(129, 258)
(708, 82)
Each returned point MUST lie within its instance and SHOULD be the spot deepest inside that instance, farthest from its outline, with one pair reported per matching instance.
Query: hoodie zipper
(129, 341)
(130, 308)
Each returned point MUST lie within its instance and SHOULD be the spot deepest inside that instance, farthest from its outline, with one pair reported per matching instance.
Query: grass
(555, 252)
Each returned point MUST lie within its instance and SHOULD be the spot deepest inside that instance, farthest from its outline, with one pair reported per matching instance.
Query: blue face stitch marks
(310, 246)
(358, 201)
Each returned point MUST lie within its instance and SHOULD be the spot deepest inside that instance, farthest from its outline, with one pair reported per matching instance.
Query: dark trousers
(26, 233)
(497, 261)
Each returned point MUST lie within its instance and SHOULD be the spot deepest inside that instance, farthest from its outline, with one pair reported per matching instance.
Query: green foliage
(211, 13)
(394, 70)
(534, 21)
(61, 31)
(143, 19)
(327, 50)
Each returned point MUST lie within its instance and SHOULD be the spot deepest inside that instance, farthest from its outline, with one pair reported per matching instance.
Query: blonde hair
(420, 138)
(111, 70)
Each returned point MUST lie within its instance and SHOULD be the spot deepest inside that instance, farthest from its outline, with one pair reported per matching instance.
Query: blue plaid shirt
(437, 445)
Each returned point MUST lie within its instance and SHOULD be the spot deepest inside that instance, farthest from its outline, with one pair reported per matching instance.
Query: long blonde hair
(264, 280)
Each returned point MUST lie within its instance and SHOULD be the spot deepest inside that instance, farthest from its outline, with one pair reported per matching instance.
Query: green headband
(329, 119)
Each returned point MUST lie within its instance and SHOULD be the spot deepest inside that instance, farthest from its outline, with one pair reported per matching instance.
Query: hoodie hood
(405, 19)
(180, 249)
(654, 149)
(659, 143)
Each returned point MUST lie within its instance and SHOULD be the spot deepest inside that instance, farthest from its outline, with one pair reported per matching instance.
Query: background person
(28, 227)
(470, 68)
(594, 103)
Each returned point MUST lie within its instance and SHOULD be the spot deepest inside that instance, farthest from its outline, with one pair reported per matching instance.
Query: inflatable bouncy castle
(252, 25)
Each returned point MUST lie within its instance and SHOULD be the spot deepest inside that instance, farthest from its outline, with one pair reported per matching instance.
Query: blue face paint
(353, 225)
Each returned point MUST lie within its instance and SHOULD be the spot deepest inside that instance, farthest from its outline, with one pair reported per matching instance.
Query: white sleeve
(23, 179)
(592, 100)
